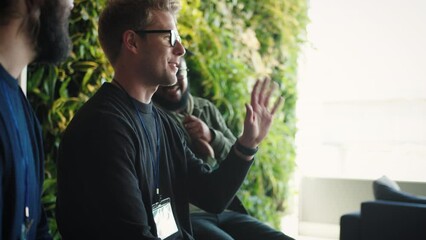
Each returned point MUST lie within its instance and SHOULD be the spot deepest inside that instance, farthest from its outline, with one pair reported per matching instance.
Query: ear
(130, 41)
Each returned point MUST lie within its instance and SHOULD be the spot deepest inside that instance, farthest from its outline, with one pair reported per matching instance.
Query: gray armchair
(395, 215)
(385, 220)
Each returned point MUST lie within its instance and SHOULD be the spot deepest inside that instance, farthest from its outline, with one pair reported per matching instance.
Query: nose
(71, 4)
(179, 49)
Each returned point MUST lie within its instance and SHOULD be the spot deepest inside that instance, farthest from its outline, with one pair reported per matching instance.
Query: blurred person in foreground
(30, 31)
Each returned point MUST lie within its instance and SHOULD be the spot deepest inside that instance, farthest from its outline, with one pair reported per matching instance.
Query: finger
(188, 118)
(205, 147)
(190, 126)
(196, 135)
(254, 93)
(194, 129)
(277, 105)
(249, 113)
(272, 87)
(263, 89)
(192, 133)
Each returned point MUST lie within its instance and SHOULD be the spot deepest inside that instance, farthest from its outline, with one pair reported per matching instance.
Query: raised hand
(197, 129)
(259, 115)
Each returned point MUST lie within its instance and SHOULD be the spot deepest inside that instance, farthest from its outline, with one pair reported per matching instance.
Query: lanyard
(24, 156)
(155, 163)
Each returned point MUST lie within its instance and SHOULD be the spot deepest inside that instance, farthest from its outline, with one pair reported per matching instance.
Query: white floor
(312, 238)
(308, 231)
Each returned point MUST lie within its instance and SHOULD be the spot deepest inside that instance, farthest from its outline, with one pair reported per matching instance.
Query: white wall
(362, 106)
(362, 90)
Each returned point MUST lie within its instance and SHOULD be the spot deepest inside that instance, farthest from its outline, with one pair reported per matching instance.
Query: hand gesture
(258, 115)
(197, 129)
(202, 148)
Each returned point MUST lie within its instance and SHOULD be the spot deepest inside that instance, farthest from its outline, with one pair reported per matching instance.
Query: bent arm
(214, 190)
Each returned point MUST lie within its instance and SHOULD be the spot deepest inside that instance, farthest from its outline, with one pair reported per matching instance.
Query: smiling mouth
(173, 87)
(175, 65)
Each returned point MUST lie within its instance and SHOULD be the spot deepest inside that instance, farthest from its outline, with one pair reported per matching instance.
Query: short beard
(53, 43)
(172, 105)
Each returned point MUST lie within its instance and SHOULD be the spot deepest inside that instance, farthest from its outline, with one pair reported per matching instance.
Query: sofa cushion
(386, 189)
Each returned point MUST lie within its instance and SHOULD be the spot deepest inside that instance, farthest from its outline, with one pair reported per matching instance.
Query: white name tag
(164, 219)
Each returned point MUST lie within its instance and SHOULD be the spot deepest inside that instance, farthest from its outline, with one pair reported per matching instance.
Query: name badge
(164, 219)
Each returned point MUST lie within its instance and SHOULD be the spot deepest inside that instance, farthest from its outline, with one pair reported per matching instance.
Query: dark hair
(31, 24)
(122, 15)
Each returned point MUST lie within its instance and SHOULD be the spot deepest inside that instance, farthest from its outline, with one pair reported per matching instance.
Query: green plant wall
(233, 42)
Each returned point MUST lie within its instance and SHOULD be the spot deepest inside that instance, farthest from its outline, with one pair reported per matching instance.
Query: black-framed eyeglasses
(174, 35)
(182, 72)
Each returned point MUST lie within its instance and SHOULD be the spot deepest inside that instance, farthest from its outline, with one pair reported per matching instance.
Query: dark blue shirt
(21, 164)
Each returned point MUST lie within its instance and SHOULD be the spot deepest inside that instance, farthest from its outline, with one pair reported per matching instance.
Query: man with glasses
(124, 169)
(211, 140)
(30, 31)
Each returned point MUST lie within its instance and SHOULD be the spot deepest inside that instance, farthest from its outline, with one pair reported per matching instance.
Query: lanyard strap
(21, 149)
(155, 164)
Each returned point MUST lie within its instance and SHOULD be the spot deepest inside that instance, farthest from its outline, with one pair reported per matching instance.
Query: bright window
(362, 90)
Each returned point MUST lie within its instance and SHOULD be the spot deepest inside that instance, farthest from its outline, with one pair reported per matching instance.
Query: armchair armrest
(393, 220)
(350, 226)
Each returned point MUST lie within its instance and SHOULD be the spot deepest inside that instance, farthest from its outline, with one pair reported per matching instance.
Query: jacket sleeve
(214, 190)
(223, 139)
(100, 192)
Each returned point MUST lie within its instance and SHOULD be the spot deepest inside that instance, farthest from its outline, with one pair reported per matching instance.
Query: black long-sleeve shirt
(105, 172)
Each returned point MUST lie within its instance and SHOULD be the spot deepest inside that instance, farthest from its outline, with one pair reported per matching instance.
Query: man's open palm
(259, 115)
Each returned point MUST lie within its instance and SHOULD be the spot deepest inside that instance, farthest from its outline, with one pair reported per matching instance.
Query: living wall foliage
(233, 42)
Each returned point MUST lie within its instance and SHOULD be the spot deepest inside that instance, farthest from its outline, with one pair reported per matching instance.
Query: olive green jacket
(222, 137)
